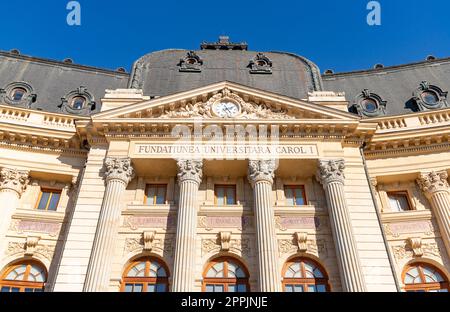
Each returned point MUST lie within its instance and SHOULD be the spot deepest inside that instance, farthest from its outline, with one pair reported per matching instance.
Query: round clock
(226, 109)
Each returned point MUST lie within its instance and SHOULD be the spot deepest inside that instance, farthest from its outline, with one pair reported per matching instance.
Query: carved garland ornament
(210, 245)
(15, 248)
(248, 110)
(149, 243)
(409, 251)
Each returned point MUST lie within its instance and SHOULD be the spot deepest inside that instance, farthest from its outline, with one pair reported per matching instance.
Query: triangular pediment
(225, 101)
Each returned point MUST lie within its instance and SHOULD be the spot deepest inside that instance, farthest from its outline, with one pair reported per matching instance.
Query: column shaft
(98, 274)
(350, 268)
(118, 174)
(269, 276)
(184, 268)
(441, 206)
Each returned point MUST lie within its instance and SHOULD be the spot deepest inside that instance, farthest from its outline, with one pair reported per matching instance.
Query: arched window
(225, 275)
(304, 275)
(24, 277)
(145, 275)
(421, 277)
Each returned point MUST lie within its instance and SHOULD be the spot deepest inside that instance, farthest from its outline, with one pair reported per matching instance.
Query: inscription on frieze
(23, 226)
(284, 223)
(137, 222)
(210, 222)
(395, 229)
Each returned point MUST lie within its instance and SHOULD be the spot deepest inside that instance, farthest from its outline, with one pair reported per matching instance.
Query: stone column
(260, 175)
(13, 183)
(189, 179)
(119, 173)
(331, 175)
(436, 189)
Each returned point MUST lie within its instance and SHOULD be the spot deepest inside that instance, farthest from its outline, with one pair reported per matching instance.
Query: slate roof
(158, 73)
(51, 80)
(394, 84)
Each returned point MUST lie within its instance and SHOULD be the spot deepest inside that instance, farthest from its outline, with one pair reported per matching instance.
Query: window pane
(14, 289)
(160, 287)
(299, 197)
(241, 288)
(5, 289)
(44, 200)
(311, 288)
(128, 287)
(151, 288)
(161, 196)
(138, 288)
(209, 288)
(230, 196)
(298, 288)
(398, 202)
(289, 288)
(151, 193)
(220, 193)
(218, 288)
(289, 197)
(321, 288)
(232, 288)
(54, 200)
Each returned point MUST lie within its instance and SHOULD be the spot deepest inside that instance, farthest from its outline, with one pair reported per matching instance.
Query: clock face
(226, 109)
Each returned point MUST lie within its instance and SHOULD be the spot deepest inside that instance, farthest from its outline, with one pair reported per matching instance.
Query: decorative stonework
(13, 179)
(315, 247)
(416, 246)
(190, 170)
(15, 248)
(260, 64)
(248, 110)
(422, 227)
(433, 182)
(331, 171)
(34, 226)
(285, 223)
(261, 170)
(148, 238)
(190, 63)
(214, 245)
(232, 222)
(224, 238)
(31, 244)
(138, 244)
(119, 169)
(406, 251)
(144, 222)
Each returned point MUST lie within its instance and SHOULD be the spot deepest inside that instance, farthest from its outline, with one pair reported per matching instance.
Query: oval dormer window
(18, 94)
(430, 97)
(369, 105)
(78, 102)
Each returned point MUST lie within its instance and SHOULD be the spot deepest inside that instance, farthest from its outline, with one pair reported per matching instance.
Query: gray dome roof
(161, 73)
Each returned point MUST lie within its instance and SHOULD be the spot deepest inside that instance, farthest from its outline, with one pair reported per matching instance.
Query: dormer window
(191, 63)
(78, 102)
(18, 94)
(429, 97)
(369, 104)
(260, 64)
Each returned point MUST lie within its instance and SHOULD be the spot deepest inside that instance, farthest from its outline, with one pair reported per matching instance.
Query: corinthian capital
(261, 170)
(331, 171)
(189, 169)
(119, 169)
(433, 182)
(13, 179)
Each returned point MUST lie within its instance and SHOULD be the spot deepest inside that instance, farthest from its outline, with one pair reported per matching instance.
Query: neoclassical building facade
(223, 169)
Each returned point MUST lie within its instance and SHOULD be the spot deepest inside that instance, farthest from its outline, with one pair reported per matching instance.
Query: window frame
(293, 187)
(72, 102)
(303, 281)
(22, 285)
(401, 192)
(145, 280)
(13, 94)
(424, 286)
(51, 191)
(157, 186)
(225, 186)
(225, 281)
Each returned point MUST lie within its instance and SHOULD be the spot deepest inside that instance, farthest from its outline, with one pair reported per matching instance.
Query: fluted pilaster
(13, 183)
(189, 179)
(261, 174)
(119, 173)
(436, 189)
(331, 175)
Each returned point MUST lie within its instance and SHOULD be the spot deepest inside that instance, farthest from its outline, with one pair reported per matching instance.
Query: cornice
(405, 216)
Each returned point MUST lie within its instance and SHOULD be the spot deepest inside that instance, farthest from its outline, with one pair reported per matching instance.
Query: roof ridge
(52, 61)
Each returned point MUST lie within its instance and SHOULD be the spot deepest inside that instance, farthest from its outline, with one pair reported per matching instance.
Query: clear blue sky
(332, 33)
